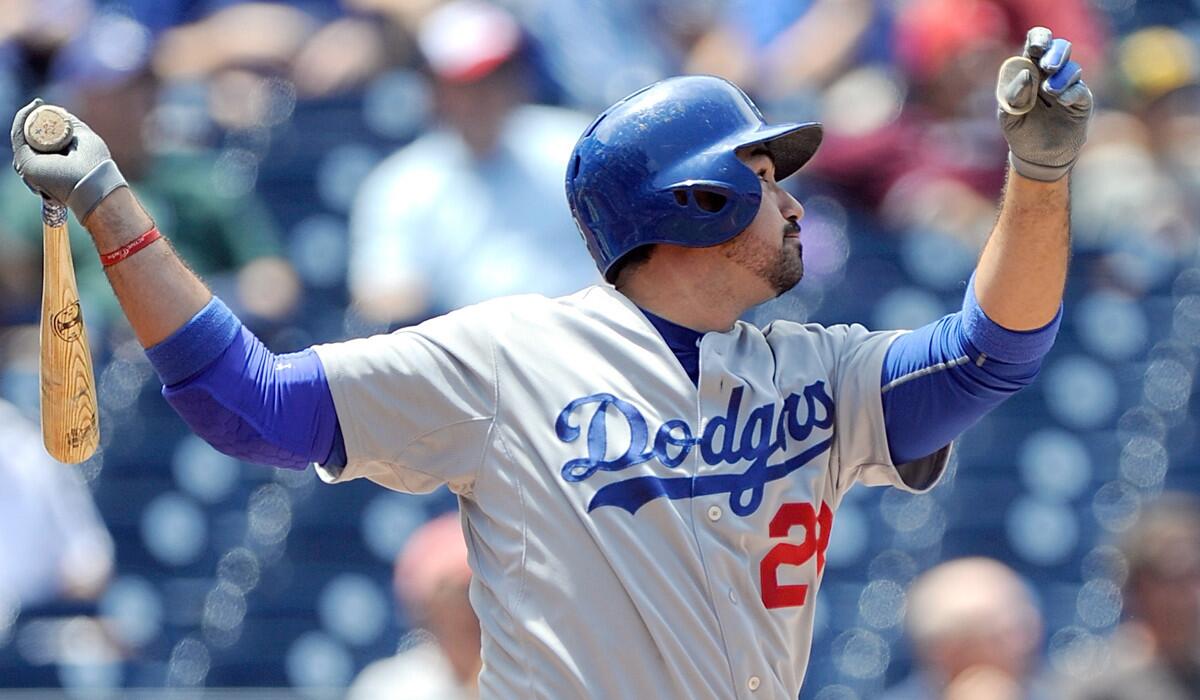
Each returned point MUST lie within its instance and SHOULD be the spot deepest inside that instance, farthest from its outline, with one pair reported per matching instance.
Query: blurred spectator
(975, 631)
(38, 29)
(475, 208)
(773, 48)
(1156, 653)
(260, 35)
(1142, 157)
(598, 52)
(54, 543)
(347, 53)
(431, 579)
(221, 229)
(1128, 16)
(932, 35)
(922, 144)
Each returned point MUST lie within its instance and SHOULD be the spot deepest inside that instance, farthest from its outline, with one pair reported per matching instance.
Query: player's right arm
(157, 291)
(416, 405)
(229, 388)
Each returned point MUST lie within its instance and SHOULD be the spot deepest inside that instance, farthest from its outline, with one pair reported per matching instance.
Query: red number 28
(816, 540)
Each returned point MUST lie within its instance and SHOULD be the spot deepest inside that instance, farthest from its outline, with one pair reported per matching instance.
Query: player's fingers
(1037, 41)
(78, 126)
(1017, 93)
(1056, 56)
(1068, 75)
(1077, 97)
(18, 125)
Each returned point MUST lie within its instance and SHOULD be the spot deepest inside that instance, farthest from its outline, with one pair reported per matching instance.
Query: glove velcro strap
(1033, 171)
(95, 186)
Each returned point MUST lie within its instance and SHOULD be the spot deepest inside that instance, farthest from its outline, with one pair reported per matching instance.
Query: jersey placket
(711, 512)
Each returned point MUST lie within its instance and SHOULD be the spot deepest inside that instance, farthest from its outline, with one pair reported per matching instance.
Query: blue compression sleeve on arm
(941, 378)
(196, 345)
(243, 399)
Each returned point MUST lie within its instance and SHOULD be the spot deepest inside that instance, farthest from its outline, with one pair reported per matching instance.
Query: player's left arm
(1044, 114)
(940, 379)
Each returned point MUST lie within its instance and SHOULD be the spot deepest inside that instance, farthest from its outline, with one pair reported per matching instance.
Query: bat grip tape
(94, 187)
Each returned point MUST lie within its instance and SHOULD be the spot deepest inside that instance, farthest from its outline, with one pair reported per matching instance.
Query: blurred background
(335, 169)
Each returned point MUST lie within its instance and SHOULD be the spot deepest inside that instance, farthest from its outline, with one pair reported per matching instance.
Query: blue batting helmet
(660, 166)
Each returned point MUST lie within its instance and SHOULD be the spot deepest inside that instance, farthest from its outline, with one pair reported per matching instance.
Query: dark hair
(1152, 545)
(630, 261)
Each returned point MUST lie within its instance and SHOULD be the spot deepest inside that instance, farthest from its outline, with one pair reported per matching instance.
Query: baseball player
(648, 484)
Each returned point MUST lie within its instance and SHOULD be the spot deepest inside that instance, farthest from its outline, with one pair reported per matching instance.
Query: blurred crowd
(338, 168)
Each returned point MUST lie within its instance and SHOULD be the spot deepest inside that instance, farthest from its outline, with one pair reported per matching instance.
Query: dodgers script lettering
(727, 439)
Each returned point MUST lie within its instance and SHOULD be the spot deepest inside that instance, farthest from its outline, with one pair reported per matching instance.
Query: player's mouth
(791, 230)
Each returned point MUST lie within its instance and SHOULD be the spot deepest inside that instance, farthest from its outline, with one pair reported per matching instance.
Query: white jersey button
(752, 684)
(714, 513)
(732, 596)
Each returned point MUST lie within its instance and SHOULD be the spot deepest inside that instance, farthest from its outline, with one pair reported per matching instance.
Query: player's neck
(686, 294)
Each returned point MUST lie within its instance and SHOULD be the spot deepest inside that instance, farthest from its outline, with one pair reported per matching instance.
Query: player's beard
(781, 267)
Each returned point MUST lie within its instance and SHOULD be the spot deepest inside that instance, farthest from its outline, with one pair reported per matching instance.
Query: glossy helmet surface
(660, 166)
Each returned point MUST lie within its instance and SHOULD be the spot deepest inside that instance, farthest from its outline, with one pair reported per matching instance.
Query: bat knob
(48, 129)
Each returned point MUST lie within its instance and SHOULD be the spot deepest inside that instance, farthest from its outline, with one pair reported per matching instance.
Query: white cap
(465, 40)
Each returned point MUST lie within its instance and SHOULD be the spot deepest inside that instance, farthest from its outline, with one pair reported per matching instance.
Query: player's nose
(789, 206)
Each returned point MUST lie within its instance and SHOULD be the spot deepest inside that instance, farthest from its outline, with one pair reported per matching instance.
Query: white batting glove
(80, 176)
(1044, 107)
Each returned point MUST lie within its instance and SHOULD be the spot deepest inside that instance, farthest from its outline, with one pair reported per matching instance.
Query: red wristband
(116, 256)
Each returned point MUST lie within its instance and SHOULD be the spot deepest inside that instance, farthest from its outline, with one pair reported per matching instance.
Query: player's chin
(788, 272)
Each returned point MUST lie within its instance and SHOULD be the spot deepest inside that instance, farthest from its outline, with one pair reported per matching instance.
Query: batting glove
(1044, 107)
(80, 176)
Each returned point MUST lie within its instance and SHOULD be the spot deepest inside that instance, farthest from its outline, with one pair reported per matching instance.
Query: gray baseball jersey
(632, 535)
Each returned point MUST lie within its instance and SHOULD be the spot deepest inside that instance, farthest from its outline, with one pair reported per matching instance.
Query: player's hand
(1044, 107)
(80, 176)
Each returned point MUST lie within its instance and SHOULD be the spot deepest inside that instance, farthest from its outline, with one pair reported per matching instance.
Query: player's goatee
(789, 269)
(775, 263)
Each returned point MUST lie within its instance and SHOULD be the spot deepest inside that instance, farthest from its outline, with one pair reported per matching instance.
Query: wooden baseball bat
(70, 421)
